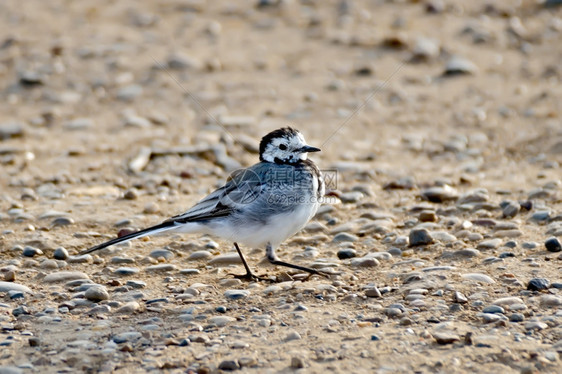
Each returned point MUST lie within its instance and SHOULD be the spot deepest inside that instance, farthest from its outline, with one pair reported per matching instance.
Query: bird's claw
(251, 277)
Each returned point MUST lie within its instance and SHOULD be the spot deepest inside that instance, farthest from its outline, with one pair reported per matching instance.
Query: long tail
(164, 226)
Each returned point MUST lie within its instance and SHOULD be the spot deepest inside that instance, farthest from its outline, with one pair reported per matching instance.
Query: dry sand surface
(441, 118)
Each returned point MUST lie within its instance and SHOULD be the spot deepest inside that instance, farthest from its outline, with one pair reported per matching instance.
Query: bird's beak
(308, 148)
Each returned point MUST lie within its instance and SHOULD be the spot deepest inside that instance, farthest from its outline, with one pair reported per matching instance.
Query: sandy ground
(119, 114)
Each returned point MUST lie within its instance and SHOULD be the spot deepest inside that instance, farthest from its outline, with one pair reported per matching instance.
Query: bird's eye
(282, 147)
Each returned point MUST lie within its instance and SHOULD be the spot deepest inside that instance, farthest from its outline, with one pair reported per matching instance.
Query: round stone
(31, 252)
(96, 293)
(420, 237)
(553, 244)
(346, 253)
(538, 284)
(60, 254)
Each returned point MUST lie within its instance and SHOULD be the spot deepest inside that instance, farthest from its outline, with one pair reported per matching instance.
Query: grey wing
(243, 187)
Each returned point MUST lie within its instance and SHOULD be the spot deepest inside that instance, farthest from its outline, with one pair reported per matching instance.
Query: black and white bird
(260, 206)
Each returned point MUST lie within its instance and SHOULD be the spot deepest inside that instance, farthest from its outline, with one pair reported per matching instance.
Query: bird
(260, 206)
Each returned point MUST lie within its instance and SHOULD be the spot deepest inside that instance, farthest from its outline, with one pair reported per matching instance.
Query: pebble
(64, 276)
(462, 253)
(419, 237)
(346, 253)
(229, 365)
(161, 268)
(440, 194)
(510, 300)
(31, 252)
(483, 278)
(199, 255)
(459, 66)
(60, 254)
(96, 293)
(445, 337)
(490, 244)
(553, 245)
(10, 286)
(292, 335)
(538, 284)
(551, 301)
(126, 271)
(516, 317)
(226, 259)
(236, 294)
(157, 253)
(510, 209)
(297, 362)
(344, 237)
(221, 321)
(494, 309)
(364, 262)
(11, 130)
(535, 325)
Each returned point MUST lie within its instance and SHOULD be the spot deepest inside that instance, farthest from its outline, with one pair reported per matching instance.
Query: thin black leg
(249, 275)
(302, 268)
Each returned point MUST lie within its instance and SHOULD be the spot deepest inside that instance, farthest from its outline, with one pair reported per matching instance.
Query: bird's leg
(272, 258)
(249, 275)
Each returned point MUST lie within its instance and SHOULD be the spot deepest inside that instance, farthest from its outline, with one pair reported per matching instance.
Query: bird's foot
(251, 277)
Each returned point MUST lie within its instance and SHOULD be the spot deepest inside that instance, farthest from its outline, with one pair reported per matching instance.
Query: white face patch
(285, 149)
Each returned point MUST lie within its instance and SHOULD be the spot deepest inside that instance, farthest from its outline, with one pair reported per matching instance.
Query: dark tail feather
(164, 226)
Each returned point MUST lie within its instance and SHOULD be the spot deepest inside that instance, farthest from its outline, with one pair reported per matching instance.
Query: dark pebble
(510, 244)
(537, 284)
(31, 252)
(506, 254)
(516, 317)
(229, 365)
(20, 310)
(494, 309)
(60, 254)
(346, 253)
(221, 309)
(553, 244)
(34, 342)
(420, 237)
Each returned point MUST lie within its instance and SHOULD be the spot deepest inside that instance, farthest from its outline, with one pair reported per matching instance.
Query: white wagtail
(258, 206)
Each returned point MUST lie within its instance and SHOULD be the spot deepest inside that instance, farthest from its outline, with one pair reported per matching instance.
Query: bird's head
(284, 146)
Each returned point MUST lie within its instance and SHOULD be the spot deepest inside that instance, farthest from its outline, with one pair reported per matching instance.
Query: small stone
(365, 262)
(494, 309)
(161, 268)
(535, 325)
(236, 294)
(344, 237)
(128, 308)
(164, 253)
(516, 317)
(126, 271)
(373, 292)
(229, 365)
(64, 276)
(490, 244)
(60, 254)
(221, 321)
(553, 245)
(10, 286)
(62, 221)
(445, 338)
(440, 194)
(226, 259)
(34, 342)
(11, 130)
(346, 253)
(538, 284)
(79, 124)
(510, 209)
(293, 335)
(427, 216)
(31, 252)
(297, 362)
(199, 255)
(478, 278)
(551, 301)
(129, 93)
(96, 293)
(420, 237)
(459, 66)
(460, 298)
(131, 194)
(510, 300)
(10, 276)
